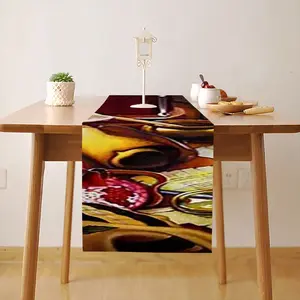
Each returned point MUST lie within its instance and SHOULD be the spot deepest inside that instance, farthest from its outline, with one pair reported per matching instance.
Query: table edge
(249, 129)
(219, 129)
(46, 129)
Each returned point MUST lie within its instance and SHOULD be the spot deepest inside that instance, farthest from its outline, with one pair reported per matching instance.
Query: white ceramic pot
(195, 91)
(208, 96)
(60, 93)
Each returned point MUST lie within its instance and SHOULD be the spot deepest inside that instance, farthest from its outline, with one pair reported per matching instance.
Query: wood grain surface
(135, 276)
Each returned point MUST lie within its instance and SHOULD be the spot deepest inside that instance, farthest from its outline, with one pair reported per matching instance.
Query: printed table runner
(147, 177)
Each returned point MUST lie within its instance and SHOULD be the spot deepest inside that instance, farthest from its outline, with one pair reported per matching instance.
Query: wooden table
(56, 133)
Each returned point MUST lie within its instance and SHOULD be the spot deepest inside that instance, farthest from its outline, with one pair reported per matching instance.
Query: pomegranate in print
(98, 187)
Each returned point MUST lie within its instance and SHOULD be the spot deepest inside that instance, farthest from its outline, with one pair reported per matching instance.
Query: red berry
(204, 84)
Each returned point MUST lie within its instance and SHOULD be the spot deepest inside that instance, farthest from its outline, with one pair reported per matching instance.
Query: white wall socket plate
(244, 179)
(230, 177)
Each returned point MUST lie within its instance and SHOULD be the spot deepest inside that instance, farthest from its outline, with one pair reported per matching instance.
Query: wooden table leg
(65, 268)
(264, 276)
(30, 256)
(219, 212)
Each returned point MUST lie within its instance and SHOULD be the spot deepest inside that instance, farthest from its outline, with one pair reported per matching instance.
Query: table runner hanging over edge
(147, 177)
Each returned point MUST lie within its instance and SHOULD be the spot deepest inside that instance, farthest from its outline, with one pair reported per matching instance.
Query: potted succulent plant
(60, 90)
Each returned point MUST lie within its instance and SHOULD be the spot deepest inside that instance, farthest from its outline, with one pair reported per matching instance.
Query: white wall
(250, 48)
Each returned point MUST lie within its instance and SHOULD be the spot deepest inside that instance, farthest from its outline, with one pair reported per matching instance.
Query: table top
(276, 122)
(40, 118)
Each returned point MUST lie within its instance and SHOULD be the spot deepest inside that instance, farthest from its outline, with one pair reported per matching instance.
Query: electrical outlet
(3, 178)
(244, 179)
(230, 177)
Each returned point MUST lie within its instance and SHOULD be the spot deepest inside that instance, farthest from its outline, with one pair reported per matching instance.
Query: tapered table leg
(65, 269)
(33, 220)
(219, 212)
(264, 276)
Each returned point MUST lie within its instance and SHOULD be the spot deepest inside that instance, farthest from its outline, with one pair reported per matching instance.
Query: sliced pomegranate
(113, 191)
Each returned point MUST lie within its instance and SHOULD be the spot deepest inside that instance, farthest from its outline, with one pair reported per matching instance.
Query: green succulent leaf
(61, 77)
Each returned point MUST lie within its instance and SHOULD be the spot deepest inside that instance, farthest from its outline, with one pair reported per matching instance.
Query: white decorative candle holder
(144, 56)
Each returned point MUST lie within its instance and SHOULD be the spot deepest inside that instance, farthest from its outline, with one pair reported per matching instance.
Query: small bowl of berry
(208, 94)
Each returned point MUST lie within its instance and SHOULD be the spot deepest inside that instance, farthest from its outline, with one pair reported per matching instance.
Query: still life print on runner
(147, 179)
